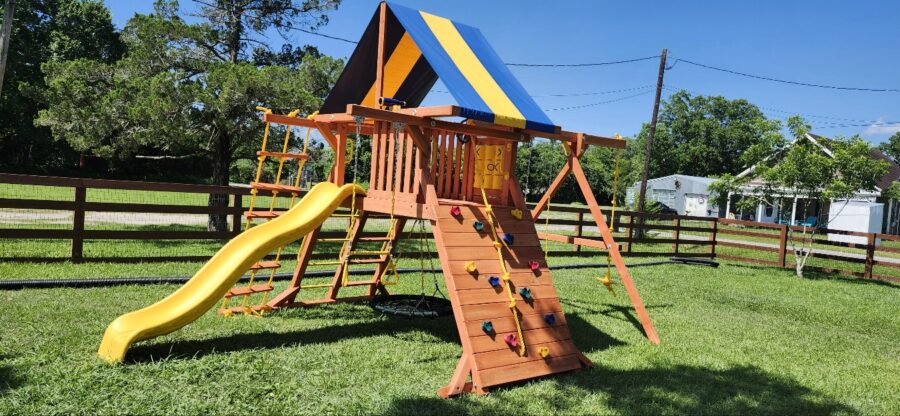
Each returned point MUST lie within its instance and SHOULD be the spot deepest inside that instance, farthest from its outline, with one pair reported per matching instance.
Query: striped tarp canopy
(420, 47)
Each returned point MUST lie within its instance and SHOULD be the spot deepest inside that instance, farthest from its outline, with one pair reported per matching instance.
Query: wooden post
(238, 214)
(379, 67)
(630, 230)
(712, 237)
(870, 254)
(578, 229)
(677, 233)
(782, 246)
(8, 14)
(78, 225)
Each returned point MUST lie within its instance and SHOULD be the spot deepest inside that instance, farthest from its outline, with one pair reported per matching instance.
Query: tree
(891, 147)
(802, 169)
(187, 89)
(702, 135)
(46, 31)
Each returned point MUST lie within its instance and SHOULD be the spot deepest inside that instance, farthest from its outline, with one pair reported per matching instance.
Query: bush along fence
(54, 219)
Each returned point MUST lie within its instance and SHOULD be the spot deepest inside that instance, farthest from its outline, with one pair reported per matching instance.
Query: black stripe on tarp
(417, 83)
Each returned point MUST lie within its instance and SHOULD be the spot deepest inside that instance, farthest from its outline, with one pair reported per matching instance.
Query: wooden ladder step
(263, 214)
(275, 188)
(354, 261)
(303, 156)
(374, 239)
(265, 265)
(243, 291)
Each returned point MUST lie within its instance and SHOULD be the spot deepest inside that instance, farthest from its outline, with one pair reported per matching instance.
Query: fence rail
(638, 234)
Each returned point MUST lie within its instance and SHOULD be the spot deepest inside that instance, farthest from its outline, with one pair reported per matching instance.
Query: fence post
(630, 230)
(238, 214)
(782, 246)
(78, 224)
(578, 229)
(870, 255)
(677, 233)
(714, 238)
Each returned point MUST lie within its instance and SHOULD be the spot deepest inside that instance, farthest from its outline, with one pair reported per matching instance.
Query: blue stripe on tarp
(440, 61)
(479, 115)
(535, 118)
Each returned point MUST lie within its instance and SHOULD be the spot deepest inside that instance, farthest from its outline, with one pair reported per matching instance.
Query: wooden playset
(426, 165)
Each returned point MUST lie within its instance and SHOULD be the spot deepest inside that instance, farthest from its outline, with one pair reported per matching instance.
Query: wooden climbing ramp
(483, 314)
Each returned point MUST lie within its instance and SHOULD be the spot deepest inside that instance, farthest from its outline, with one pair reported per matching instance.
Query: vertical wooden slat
(677, 233)
(469, 177)
(389, 175)
(630, 230)
(398, 165)
(438, 183)
(408, 165)
(448, 164)
(78, 225)
(579, 229)
(712, 237)
(382, 157)
(870, 255)
(373, 175)
(457, 173)
(237, 214)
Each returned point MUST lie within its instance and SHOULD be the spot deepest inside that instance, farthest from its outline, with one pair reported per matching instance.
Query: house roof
(419, 48)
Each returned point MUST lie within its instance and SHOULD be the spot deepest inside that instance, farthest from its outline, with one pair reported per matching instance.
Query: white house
(688, 195)
(870, 211)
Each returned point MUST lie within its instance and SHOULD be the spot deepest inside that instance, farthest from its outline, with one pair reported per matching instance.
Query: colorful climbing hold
(525, 292)
(455, 211)
(512, 340)
(516, 213)
(508, 239)
(494, 281)
(550, 319)
(544, 352)
(471, 267)
(479, 226)
(487, 327)
(534, 265)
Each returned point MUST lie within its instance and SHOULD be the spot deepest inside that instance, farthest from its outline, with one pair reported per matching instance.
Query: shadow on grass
(813, 273)
(9, 377)
(671, 390)
(620, 312)
(442, 328)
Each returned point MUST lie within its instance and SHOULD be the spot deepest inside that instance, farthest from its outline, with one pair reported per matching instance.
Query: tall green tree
(892, 147)
(46, 31)
(190, 89)
(800, 169)
(702, 135)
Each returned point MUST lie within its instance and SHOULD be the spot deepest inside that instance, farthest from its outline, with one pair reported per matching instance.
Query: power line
(599, 103)
(577, 94)
(323, 35)
(783, 81)
(624, 61)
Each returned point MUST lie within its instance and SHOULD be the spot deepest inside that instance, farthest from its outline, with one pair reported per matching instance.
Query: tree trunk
(221, 166)
(5, 33)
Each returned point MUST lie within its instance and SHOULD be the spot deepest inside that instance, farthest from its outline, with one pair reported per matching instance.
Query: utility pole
(5, 33)
(647, 149)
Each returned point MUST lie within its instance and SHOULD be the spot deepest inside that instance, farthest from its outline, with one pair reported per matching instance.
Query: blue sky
(852, 44)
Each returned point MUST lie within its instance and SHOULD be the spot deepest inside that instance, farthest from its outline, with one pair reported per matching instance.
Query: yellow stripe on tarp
(396, 69)
(505, 112)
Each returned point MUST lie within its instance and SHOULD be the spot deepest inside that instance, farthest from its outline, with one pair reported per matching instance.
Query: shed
(688, 195)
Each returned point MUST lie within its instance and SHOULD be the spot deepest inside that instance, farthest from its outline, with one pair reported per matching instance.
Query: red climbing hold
(512, 340)
(534, 265)
(455, 211)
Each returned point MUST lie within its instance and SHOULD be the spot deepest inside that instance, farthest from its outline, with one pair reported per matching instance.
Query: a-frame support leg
(460, 383)
(613, 248)
(289, 295)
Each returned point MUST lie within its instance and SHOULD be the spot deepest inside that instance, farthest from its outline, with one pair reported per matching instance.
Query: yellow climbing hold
(470, 267)
(544, 352)
(516, 213)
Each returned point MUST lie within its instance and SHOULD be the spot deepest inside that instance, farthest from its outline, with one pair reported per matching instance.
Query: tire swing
(411, 306)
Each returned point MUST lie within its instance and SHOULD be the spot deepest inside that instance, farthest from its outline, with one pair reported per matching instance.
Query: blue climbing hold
(508, 239)
(525, 292)
(479, 226)
(487, 327)
(494, 281)
(550, 319)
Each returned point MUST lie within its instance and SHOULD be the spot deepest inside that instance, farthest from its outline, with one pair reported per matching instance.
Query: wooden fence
(638, 234)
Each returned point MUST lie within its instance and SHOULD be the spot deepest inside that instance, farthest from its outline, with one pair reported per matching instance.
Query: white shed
(688, 195)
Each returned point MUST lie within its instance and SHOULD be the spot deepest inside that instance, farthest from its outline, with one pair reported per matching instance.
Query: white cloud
(880, 128)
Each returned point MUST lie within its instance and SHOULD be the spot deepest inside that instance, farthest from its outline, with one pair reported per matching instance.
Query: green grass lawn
(738, 339)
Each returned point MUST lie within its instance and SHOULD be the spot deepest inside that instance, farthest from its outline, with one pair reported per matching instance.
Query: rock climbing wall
(481, 309)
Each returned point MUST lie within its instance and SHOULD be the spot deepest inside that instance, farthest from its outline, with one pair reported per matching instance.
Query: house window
(769, 211)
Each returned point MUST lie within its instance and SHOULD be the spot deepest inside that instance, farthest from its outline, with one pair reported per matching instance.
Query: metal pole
(649, 146)
(8, 11)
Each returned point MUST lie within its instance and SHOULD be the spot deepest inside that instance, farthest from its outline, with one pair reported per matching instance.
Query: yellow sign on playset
(458, 176)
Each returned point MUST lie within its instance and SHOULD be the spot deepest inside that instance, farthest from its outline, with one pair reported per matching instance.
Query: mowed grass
(737, 339)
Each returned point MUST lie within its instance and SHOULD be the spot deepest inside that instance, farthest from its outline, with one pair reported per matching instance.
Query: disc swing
(409, 306)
